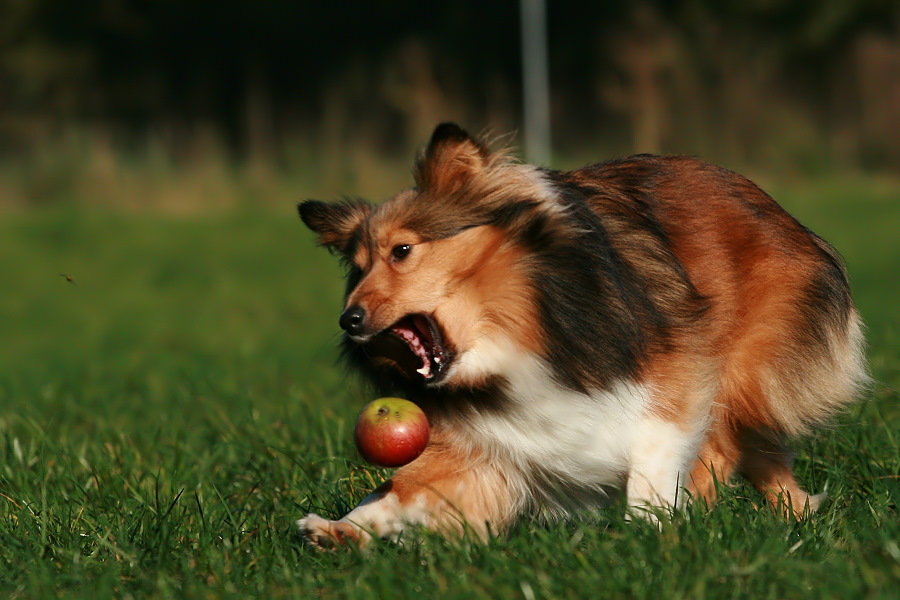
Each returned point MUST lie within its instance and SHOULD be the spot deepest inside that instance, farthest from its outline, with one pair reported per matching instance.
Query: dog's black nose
(353, 319)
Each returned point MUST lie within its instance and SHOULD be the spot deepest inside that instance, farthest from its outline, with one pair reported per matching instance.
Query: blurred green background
(169, 396)
(192, 106)
(151, 152)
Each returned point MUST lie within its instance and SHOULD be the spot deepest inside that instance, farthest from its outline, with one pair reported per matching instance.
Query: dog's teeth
(437, 359)
(425, 371)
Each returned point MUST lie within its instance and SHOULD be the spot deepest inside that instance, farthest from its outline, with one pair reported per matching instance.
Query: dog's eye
(400, 251)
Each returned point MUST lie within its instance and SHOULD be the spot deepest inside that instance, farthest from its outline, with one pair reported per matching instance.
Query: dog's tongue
(416, 333)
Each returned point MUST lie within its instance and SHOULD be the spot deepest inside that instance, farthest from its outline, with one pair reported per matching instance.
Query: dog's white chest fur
(576, 439)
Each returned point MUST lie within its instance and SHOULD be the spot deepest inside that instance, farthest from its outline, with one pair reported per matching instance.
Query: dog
(652, 324)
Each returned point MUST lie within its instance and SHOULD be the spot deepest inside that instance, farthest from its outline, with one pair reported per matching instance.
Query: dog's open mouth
(421, 337)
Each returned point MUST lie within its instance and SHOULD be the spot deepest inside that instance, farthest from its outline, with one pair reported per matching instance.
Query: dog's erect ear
(333, 222)
(452, 158)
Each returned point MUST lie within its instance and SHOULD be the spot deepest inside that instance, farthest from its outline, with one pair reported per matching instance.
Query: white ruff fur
(573, 444)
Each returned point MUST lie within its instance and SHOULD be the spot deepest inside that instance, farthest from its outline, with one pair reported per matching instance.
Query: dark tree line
(695, 75)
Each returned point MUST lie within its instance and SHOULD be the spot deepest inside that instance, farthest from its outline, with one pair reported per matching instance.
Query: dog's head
(437, 271)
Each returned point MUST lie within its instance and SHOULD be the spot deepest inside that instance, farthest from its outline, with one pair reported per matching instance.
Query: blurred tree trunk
(643, 53)
(411, 86)
(877, 60)
(258, 120)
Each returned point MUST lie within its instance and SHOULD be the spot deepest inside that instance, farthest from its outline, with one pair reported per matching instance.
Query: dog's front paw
(323, 534)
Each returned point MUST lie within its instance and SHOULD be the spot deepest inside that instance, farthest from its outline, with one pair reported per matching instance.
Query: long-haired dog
(652, 324)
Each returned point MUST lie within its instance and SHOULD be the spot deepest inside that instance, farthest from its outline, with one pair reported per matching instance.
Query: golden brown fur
(651, 322)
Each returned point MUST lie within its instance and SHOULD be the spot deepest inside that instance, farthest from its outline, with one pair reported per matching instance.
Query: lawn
(170, 405)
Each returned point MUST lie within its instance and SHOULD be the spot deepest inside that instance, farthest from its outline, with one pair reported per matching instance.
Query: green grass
(165, 418)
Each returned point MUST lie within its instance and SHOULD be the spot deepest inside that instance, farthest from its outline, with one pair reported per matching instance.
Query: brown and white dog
(650, 323)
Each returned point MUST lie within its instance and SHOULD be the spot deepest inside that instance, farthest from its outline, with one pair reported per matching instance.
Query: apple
(391, 432)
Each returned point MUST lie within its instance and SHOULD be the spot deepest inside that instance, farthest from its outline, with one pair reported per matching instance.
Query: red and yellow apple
(391, 432)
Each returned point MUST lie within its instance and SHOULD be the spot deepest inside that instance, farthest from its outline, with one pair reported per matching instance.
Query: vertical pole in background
(536, 83)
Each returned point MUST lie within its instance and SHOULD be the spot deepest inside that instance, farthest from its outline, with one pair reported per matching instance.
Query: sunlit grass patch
(167, 415)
